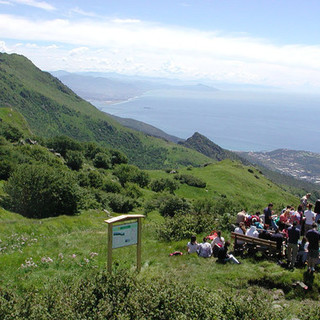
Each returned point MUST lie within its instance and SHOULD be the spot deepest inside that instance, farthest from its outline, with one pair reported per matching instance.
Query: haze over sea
(235, 120)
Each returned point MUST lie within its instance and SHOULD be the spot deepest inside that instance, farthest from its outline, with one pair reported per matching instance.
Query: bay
(235, 120)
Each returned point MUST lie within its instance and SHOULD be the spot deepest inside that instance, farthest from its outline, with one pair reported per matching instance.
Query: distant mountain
(113, 88)
(302, 165)
(51, 108)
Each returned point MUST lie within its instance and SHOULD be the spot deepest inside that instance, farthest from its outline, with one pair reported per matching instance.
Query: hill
(303, 165)
(50, 108)
(205, 146)
(54, 268)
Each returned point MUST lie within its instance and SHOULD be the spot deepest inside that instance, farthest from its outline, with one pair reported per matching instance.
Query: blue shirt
(294, 235)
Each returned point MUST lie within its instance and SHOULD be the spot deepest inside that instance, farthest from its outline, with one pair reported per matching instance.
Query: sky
(262, 42)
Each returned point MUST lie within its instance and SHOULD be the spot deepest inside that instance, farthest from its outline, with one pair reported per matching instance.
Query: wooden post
(110, 247)
(121, 218)
(139, 246)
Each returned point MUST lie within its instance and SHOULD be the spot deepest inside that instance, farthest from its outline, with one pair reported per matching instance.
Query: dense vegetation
(52, 109)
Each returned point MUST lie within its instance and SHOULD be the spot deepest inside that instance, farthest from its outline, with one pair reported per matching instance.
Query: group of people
(218, 248)
(286, 230)
(295, 232)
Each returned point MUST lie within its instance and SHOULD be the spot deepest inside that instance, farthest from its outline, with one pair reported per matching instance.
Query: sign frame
(118, 219)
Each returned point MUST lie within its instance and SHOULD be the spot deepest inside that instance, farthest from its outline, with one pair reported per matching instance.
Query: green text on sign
(124, 235)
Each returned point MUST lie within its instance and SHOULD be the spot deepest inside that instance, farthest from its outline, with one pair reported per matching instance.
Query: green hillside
(55, 267)
(50, 109)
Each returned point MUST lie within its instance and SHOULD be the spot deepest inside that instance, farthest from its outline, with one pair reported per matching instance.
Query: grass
(71, 241)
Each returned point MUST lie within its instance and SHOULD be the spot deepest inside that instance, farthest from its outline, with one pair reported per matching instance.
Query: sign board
(124, 235)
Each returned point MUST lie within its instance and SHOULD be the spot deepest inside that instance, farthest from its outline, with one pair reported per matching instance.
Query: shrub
(117, 157)
(168, 205)
(95, 179)
(184, 226)
(122, 296)
(74, 159)
(91, 149)
(164, 184)
(39, 191)
(130, 173)
(111, 186)
(120, 203)
(102, 160)
(37, 153)
(191, 180)
(10, 132)
(62, 144)
(132, 190)
(6, 169)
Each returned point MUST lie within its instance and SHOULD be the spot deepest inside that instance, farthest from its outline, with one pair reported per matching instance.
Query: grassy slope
(233, 180)
(86, 233)
(51, 108)
(15, 119)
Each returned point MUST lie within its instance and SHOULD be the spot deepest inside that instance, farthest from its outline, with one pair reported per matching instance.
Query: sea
(235, 120)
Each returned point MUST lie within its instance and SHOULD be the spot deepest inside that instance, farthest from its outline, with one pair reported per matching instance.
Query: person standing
(309, 218)
(241, 217)
(268, 214)
(304, 201)
(313, 237)
(293, 238)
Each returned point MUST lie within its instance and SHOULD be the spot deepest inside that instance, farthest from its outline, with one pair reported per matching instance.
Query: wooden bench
(253, 244)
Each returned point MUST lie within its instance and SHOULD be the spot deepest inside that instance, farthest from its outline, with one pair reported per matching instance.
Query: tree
(130, 173)
(40, 191)
(74, 159)
(102, 160)
(63, 143)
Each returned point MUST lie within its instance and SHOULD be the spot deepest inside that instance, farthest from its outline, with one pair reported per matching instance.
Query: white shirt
(310, 215)
(252, 232)
(205, 250)
(193, 247)
(218, 241)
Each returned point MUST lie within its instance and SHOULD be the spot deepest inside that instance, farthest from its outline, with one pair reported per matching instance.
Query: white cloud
(37, 4)
(78, 51)
(126, 21)
(133, 46)
(5, 2)
(3, 47)
(81, 12)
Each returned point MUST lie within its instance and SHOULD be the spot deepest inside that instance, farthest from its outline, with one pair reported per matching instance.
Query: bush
(130, 173)
(6, 169)
(117, 157)
(40, 191)
(95, 179)
(10, 132)
(191, 180)
(132, 190)
(74, 159)
(111, 186)
(122, 296)
(164, 184)
(168, 205)
(62, 144)
(102, 160)
(120, 203)
(183, 226)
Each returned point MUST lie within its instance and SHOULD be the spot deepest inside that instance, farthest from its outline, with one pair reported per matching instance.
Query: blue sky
(263, 42)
